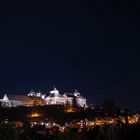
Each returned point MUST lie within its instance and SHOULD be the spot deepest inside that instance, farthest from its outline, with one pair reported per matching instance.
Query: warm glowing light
(18, 124)
(35, 115)
(62, 129)
(70, 110)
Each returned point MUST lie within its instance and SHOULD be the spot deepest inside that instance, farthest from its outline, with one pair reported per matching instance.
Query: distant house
(16, 100)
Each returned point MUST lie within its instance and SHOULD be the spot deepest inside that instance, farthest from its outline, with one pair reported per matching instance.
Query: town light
(35, 115)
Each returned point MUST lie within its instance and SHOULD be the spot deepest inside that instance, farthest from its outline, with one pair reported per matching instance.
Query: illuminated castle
(54, 98)
(37, 98)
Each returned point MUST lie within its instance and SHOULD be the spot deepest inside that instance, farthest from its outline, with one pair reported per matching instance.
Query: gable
(5, 98)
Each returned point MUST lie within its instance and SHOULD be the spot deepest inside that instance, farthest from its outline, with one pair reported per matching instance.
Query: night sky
(91, 46)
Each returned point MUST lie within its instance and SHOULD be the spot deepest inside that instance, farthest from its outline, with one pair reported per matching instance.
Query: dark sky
(92, 46)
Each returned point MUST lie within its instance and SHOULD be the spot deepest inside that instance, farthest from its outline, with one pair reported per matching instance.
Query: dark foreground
(39, 132)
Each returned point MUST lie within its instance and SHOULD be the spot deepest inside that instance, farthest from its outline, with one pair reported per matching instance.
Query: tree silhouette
(74, 102)
(109, 106)
(8, 132)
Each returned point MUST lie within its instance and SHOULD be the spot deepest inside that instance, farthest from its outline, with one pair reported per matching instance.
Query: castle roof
(17, 98)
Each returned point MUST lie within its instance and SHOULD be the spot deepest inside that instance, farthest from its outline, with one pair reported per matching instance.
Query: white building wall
(81, 102)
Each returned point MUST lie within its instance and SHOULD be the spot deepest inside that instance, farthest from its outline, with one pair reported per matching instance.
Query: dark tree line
(107, 132)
